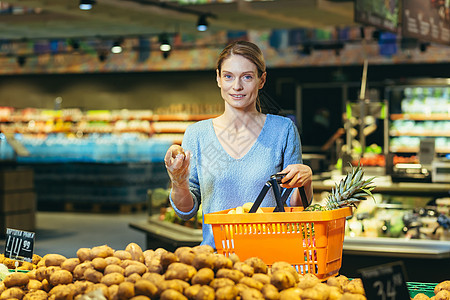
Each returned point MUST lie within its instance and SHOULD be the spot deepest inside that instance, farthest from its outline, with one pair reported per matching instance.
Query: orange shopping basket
(311, 241)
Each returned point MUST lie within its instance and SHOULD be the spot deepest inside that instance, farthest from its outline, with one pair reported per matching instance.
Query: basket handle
(272, 183)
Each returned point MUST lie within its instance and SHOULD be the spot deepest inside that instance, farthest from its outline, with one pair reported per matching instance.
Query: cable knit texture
(219, 181)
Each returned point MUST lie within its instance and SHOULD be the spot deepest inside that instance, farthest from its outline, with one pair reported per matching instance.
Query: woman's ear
(218, 77)
(262, 80)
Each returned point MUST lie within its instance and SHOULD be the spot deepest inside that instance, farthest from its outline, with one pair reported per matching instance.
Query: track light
(164, 43)
(202, 24)
(86, 4)
(117, 47)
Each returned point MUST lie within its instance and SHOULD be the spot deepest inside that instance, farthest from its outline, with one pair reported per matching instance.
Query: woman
(224, 162)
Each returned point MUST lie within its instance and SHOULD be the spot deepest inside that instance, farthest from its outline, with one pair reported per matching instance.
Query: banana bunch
(245, 208)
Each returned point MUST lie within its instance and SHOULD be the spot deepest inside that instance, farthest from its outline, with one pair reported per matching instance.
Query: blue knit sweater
(219, 181)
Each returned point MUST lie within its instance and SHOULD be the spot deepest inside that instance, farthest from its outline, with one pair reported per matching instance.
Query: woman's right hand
(177, 165)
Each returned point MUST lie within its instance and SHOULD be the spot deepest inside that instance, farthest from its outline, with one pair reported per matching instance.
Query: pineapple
(350, 191)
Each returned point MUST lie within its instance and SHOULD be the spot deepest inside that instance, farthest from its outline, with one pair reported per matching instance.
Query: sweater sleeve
(190, 143)
(293, 147)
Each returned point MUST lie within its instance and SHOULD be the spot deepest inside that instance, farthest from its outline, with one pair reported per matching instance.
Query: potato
(36, 295)
(244, 268)
(26, 266)
(252, 283)
(113, 269)
(293, 293)
(221, 282)
(234, 275)
(133, 278)
(174, 284)
(338, 281)
(154, 278)
(270, 292)
(168, 258)
(32, 274)
(101, 251)
(54, 260)
(263, 278)
(234, 258)
(18, 279)
(203, 260)
(34, 285)
(84, 254)
(99, 263)
(70, 264)
(444, 285)
(229, 292)
(203, 249)
(78, 272)
(122, 254)
(113, 292)
(222, 262)
(180, 271)
(313, 294)
(442, 295)
(251, 294)
(12, 293)
(185, 255)
(203, 276)
(94, 288)
(258, 265)
(140, 298)
(350, 296)
(61, 292)
(60, 277)
(46, 285)
(136, 252)
(355, 286)
(155, 266)
(307, 281)
(170, 294)
(192, 291)
(112, 260)
(35, 259)
(139, 268)
(145, 288)
(126, 290)
(93, 275)
(112, 278)
(421, 296)
(335, 293)
(280, 265)
(2, 287)
(81, 287)
(282, 279)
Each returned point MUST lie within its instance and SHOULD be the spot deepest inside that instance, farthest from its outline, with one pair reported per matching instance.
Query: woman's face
(239, 82)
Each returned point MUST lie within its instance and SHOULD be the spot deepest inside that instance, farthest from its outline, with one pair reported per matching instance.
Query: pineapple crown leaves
(351, 189)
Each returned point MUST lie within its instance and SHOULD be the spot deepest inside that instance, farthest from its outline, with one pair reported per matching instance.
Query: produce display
(187, 273)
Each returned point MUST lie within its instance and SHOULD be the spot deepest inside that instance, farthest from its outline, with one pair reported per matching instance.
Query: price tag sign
(19, 244)
(385, 282)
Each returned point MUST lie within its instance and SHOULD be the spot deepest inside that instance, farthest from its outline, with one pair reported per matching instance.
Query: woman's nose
(237, 85)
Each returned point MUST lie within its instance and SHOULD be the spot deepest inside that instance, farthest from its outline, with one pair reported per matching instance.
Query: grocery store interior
(91, 99)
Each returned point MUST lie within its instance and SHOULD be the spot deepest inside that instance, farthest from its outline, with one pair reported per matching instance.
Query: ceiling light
(86, 4)
(116, 47)
(164, 43)
(202, 24)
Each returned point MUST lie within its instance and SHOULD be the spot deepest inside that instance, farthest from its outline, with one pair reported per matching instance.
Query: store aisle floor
(65, 232)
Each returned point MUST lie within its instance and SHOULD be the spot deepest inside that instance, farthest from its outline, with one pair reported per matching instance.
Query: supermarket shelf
(396, 188)
(415, 150)
(421, 117)
(393, 247)
(418, 133)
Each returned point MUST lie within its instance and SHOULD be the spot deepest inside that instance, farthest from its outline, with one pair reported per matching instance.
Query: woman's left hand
(297, 175)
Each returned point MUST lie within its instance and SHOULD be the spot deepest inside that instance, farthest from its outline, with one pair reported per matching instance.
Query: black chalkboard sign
(19, 244)
(385, 282)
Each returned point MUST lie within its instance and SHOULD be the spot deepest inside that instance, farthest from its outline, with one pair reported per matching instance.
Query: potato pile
(441, 292)
(188, 273)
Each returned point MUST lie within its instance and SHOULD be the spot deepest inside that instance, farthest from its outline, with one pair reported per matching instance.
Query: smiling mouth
(237, 96)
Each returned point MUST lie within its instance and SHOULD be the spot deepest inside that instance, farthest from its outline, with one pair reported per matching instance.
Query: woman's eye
(226, 76)
(248, 77)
